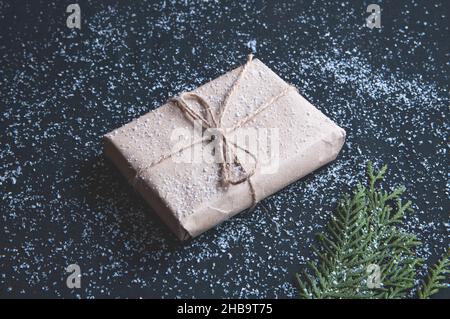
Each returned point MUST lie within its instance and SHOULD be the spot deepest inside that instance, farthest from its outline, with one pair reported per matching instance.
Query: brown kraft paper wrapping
(188, 195)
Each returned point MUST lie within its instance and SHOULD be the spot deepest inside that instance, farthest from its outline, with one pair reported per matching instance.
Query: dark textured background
(62, 89)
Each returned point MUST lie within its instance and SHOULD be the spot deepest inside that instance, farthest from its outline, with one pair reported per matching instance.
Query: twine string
(227, 148)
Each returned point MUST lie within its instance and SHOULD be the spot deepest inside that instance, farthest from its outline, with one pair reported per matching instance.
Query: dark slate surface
(62, 89)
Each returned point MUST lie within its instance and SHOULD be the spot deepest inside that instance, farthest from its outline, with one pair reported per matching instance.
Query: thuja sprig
(364, 232)
(437, 278)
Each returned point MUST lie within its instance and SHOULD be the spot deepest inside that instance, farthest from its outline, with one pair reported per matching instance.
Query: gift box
(211, 153)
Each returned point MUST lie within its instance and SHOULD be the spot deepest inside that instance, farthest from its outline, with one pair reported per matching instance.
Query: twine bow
(227, 148)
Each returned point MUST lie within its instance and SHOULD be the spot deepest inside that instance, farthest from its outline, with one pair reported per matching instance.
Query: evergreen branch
(363, 232)
(437, 278)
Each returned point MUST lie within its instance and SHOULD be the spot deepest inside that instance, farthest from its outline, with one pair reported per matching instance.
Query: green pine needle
(437, 278)
(364, 254)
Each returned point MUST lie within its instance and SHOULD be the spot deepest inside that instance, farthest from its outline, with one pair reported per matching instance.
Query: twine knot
(231, 170)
